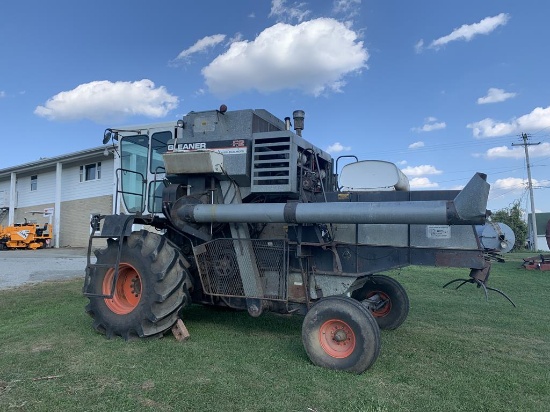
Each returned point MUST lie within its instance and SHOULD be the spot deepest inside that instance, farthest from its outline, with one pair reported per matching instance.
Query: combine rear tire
(387, 298)
(152, 286)
(341, 333)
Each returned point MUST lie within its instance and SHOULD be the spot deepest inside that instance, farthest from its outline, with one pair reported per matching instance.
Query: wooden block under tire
(180, 332)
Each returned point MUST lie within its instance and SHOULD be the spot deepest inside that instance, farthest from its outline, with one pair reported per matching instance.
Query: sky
(443, 89)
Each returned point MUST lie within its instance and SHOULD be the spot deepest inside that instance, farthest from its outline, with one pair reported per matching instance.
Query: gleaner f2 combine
(233, 209)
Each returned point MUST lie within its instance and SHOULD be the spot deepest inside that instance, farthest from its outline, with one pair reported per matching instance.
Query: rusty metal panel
(448, 258)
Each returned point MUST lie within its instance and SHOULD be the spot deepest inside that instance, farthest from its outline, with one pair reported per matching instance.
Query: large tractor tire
(340, 333)
(387, 299)
(153, 284)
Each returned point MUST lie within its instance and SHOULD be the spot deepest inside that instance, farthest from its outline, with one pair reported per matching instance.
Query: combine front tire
(152, 286)
(387, 300)
(340, 333)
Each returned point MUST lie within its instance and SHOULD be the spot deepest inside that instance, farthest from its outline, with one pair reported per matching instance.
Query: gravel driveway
(20, 267)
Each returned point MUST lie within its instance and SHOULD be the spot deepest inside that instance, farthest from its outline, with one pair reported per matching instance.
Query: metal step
(117, 228)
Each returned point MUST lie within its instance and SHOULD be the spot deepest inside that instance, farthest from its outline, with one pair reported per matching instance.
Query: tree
(511, 216)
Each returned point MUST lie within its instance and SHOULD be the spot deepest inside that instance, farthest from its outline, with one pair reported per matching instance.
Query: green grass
(455, 352)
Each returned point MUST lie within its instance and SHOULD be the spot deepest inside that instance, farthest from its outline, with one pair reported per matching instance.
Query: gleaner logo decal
(192, 146)
(24, 233)
(226, 147)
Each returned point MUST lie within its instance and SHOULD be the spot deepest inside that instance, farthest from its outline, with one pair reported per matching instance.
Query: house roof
(51, 161)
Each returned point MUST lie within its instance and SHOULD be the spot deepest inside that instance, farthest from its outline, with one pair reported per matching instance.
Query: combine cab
(232, 208)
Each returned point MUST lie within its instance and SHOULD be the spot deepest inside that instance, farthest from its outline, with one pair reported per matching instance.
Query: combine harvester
(233, 209)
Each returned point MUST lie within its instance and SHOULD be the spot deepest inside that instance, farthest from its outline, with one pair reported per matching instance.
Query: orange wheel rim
(337, 338)
(384, 310)
(127, 289)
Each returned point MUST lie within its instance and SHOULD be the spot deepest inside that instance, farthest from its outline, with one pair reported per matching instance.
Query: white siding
(73, 189)
(44, 193)
(5, 193)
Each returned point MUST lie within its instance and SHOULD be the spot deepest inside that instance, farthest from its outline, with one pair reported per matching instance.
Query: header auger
(232, 208)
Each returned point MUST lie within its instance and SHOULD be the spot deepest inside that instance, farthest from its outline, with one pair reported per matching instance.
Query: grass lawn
(455, 352)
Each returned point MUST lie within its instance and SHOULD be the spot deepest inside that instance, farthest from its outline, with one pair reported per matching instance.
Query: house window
(34, 182)
(90, 172)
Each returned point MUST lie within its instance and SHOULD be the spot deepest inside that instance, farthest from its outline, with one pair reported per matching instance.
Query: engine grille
(273, 164)
(225, 269)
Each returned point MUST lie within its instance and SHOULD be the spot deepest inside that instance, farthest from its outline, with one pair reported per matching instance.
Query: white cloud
(421, 183)
(337, 148)
(518, 152)
(2, 94)
(430, 124)
(201, 45)
(416, 145)
(540, 183)
(509, 183)
(419, 46)
(514, 185)
(287, 13)
(237, 37)
(344, 6)
(103, 101)
(467, 32)
(538, 119)
(495, 95)
(421, 170)
(505, 152)
(350, 8)
(313, 56)
(490, 128)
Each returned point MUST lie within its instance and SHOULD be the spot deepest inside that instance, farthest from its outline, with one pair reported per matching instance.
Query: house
(542, 221)
(62, 191)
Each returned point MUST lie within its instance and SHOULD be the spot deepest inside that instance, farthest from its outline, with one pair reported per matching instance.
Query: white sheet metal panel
(372, 175)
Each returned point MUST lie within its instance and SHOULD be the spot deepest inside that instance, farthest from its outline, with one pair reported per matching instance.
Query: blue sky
(441, 88)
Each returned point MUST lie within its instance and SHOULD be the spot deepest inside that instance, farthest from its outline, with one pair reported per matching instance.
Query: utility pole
(525, 145)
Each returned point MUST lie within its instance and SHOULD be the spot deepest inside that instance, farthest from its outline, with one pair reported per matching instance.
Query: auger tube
(468, 207)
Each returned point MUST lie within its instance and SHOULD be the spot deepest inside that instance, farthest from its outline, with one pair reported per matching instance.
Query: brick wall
(75, 219)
